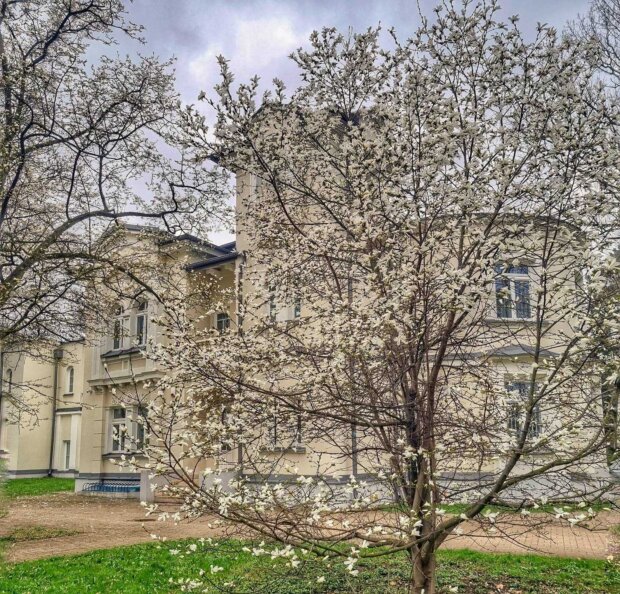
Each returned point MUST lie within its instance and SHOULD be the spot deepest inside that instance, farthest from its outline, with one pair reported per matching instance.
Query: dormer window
(512, 292)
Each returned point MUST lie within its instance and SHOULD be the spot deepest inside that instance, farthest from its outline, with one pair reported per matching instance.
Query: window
(66, 448)
(70, 379)
(128, 432)
(130, 326)
(223, 322)
(272, 304)
(121, 326)
(119, 429)
(9, 380)
(285, 432)
(297, 308)
(141, 438)
(512, 292)
(225, 444)
(520, 395)
(142, 323)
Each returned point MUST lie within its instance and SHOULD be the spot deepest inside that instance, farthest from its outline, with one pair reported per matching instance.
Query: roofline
(192, 239)
(165, 236)
(228, 247)
(213, 262)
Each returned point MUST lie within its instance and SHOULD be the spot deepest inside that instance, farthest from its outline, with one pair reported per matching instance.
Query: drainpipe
(239, 270)
(58, 355)
(1, 393)
(354, 470)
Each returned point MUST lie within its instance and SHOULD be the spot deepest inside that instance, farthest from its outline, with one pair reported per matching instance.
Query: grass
(153, 568)
(549, 508)
(27, 533)
(12, 489)
(27, 487)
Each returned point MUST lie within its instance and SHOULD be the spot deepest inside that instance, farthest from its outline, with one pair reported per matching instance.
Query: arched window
(9, 380)
(70, 378)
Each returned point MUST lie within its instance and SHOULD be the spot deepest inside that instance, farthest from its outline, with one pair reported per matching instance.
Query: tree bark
(424, 567)
(610, 405)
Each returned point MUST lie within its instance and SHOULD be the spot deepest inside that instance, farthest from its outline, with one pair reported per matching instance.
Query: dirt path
(100, 523)
(103, 523)
(555, 539)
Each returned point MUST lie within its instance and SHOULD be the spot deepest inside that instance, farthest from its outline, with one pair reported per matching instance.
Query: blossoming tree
(421, 232)
(88, 141)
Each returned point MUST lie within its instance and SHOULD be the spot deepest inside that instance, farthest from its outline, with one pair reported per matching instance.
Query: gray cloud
(258, 35)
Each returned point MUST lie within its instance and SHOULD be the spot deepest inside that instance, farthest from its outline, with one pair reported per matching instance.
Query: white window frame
(133, 437)
(272, 306)
(512, 278)
(282, 312)
(276, 430)
(516, 412)
(126, 331)
(139, 429)
(142, 309)
(120, 329)
(118, 430)
(297, 308)
(224, 447)
(9, 381)
(70, 379)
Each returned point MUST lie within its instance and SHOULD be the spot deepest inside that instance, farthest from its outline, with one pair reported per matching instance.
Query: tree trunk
(423, 572)
(610, 406)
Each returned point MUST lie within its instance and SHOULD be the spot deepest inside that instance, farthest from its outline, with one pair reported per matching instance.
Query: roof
(212, 262)
(167, 237)
(229, 254)
(229, 247)
(191, 239)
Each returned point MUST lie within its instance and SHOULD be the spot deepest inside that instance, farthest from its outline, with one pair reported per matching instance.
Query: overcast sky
(258, 35)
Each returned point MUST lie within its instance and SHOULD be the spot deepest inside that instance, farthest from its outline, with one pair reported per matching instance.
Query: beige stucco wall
(27, 409)
(116, 376)
(84, 415)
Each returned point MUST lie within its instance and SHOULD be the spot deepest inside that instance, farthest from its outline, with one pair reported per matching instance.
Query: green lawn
(27, 533)
(549, 508)
(151, 568)
(36, 486)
